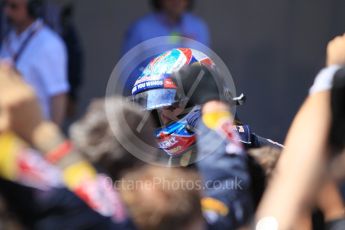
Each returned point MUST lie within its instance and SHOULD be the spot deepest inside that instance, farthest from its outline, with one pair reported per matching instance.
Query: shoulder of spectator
(50, 41)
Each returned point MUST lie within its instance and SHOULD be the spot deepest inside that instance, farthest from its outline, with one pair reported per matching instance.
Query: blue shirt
(43, 62)
(155, 25)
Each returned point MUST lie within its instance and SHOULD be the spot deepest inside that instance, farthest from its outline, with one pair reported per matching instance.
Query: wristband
(56, 155)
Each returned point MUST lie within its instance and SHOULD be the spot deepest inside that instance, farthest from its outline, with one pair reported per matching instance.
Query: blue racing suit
(223, 165)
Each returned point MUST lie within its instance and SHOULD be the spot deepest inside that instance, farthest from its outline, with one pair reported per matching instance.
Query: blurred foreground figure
(39, 54)
(93, 135)
(156, 198)
(315, 136)
(171, 18)
(77, 174)
(163, 199)
(55, 188)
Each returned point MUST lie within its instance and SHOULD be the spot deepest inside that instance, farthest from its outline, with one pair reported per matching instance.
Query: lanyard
(16, 56)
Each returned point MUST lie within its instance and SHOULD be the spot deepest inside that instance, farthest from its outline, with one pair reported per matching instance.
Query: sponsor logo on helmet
(169, 84)
(168, 143)
(147, 85)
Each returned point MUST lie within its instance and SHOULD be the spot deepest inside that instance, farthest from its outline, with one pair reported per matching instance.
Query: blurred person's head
(174, 8)
(22, 13)
(94, 137)
(267, 158)
(163, 199)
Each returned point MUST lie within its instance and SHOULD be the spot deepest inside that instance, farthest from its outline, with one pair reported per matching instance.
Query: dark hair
(93, 136)
(35, 8)
(67, 11)
(157, 5)
(337, 131)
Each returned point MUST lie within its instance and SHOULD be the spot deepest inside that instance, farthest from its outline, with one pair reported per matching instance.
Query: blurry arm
(330, 201)
(306, 149)
(224, 169)
(304, 221)
(336, 51)
(300, 164)
(20, 113)
(58, 108)
(214, 106)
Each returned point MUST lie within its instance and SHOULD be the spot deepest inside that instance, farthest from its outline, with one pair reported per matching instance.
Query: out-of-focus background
(273, 48)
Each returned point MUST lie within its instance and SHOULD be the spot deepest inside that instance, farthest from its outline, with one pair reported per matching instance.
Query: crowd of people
(173, 154)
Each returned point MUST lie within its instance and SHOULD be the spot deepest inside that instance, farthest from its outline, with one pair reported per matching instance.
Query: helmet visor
(156, 98)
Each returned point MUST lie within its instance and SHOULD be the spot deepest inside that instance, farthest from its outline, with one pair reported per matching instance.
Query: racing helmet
(154, 88)
(155, 91)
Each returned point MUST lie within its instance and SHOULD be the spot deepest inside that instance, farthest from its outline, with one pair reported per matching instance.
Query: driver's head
(155, 91)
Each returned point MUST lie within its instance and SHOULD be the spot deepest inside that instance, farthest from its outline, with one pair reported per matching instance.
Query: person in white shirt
(39, 54)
